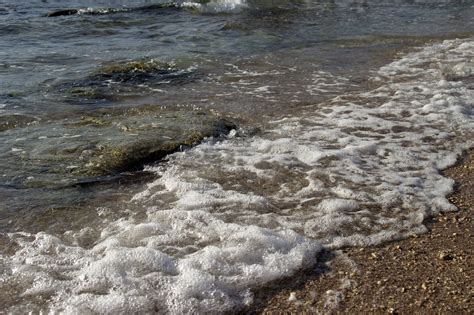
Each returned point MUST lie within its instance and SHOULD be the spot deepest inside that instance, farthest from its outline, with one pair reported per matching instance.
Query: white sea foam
(216, 6)
(230, 215)
(100, 10)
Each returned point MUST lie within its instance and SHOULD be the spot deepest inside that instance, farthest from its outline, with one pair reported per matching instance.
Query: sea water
(345, 113)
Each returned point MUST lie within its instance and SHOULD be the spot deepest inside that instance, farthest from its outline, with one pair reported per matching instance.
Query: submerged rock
(100, 144)
(14, 121)
(137, 72)
(116, 80)
(63, 12)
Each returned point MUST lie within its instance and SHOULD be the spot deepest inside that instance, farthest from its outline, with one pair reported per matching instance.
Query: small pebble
(445, 256)
(292, 297)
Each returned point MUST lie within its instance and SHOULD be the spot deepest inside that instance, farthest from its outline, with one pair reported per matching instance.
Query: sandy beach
(431, 273)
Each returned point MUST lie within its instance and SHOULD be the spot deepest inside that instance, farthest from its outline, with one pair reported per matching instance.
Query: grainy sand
(429, 274)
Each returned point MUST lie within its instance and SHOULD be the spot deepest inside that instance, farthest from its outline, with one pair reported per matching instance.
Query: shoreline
(428, 273)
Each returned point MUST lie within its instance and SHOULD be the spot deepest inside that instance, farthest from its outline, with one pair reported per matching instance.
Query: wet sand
(430, 273)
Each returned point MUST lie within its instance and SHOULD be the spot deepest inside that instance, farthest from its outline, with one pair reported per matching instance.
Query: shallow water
(346, 112)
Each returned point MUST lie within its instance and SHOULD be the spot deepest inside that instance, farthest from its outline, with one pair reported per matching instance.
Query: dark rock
(445, 256)
(63, 12)
(103, 11)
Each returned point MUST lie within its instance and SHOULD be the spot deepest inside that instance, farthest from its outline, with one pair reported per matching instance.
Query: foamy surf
(231, 215)
(216, 6)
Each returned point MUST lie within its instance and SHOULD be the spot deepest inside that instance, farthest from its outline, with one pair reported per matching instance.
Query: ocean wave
(230, 215)
(211, 6)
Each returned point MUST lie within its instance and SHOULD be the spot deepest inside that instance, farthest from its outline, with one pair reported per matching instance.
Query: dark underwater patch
(120, 80)
(104, 143)
(106, 11)
(14, 121)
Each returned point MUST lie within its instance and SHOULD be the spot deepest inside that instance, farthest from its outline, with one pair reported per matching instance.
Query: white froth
(216, 6)
(337, 205)
(129, 270)
(228, 216)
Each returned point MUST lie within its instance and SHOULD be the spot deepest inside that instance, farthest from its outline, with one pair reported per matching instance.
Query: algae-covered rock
(14, 121)
(135, 71)
(104, 143)
(126, 78)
